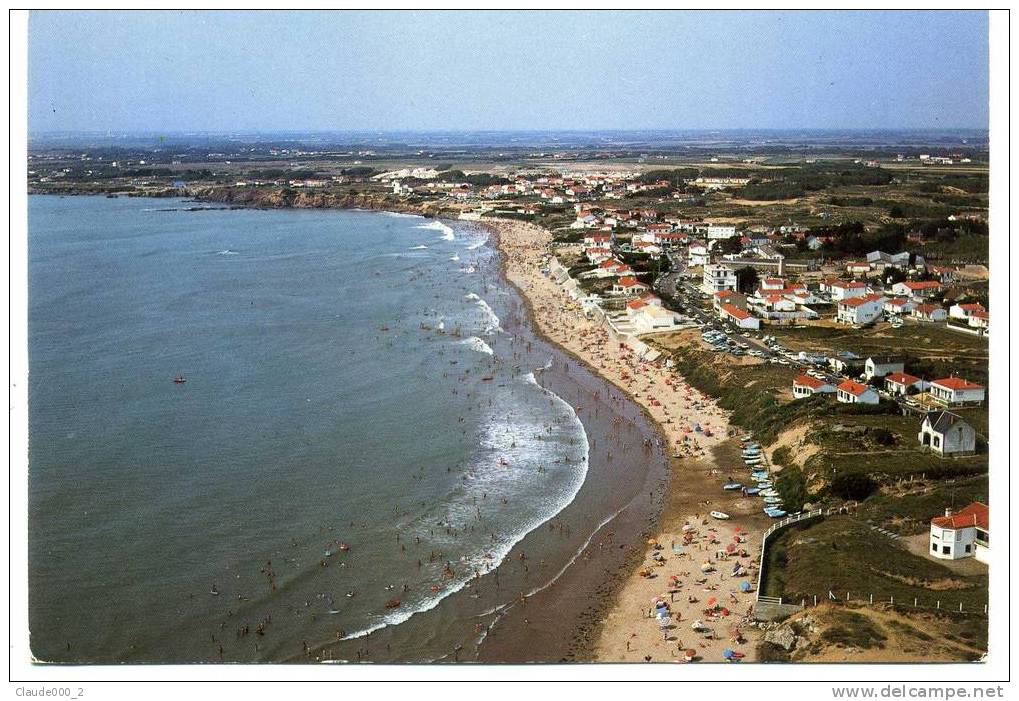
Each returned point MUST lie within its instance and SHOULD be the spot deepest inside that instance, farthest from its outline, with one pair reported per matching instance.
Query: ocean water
(357, 427)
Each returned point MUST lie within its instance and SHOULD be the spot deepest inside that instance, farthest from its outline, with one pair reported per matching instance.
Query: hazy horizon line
(531, 130)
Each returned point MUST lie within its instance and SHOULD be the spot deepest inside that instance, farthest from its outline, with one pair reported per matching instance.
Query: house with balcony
(718, 277)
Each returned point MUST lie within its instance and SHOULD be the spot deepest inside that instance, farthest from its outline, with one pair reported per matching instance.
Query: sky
(184, 71)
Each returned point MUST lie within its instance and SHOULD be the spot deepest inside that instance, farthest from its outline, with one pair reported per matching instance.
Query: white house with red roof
(857, 268)
(960, 534)
(598, 240)
(608, 268)
(899, 305)
(629, 286)
(807, 386)
(597, 254)
(953, 391)
(900, 383)
(843, 289)
(647, 314)
(740, 318)
(728, 297)
(852, 392)
(771, 284)
(916, 289)
(945, 274)
(965, 311)
(930, 312)
(980, 320)
(649, 247)
(860, 310)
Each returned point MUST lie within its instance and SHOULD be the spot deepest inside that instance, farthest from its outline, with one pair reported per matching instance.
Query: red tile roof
(923, 285)
(736, 312)
(976, 514)
(857, 301)
(901, 378)
(956, 383)
(808, 381)
(854, 388)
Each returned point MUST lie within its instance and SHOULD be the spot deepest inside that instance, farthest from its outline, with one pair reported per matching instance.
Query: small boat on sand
(720, 515)
(732, 485)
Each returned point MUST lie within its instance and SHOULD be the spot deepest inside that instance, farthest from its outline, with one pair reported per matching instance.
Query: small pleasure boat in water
(179, 380)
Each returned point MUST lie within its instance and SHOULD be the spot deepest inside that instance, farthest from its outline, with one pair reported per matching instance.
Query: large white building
(962, 534)
(719, 277)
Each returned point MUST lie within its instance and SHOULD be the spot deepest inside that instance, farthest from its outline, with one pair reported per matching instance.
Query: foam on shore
(436, 225)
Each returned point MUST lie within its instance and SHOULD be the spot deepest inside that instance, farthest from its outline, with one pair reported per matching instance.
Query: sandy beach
(686, 565)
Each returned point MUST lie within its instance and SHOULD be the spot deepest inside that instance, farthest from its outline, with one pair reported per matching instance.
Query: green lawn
(843, 555)
(909, 512)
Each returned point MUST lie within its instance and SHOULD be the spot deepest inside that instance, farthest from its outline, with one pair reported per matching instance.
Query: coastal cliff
(283, 198)
(267, 198)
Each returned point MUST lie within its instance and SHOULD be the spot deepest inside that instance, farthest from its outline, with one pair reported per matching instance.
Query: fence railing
(908, 603)
(788, 521)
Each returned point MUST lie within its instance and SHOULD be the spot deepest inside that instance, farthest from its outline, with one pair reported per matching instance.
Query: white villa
(953, 391)
(962, 534)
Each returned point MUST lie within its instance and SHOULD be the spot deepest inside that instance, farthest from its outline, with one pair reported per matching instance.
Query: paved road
(690, 298)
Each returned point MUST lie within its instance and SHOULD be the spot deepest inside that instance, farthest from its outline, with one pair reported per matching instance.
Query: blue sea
(358, 437)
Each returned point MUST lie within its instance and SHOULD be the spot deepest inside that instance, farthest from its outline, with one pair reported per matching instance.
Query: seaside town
(810, 334)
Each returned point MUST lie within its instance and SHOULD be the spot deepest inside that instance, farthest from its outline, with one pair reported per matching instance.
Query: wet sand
(622, 630)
